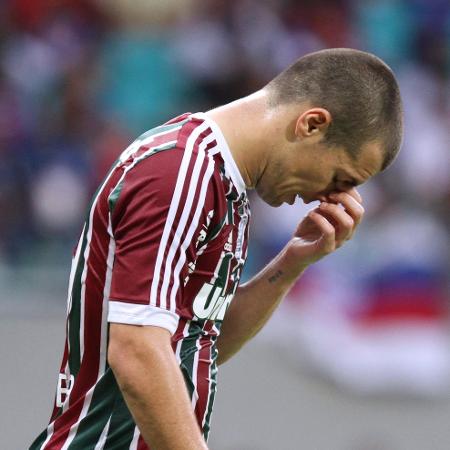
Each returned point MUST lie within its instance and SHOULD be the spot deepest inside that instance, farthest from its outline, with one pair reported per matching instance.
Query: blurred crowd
(80, 79)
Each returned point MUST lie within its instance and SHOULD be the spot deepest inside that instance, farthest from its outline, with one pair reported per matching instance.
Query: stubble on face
(268, 184)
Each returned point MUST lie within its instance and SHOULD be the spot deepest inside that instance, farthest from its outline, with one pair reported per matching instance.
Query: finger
(350, 204)
(355, 194)
(327, 242)
(343, 222)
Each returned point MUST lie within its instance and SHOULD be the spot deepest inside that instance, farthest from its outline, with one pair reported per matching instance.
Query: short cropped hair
(357, 88)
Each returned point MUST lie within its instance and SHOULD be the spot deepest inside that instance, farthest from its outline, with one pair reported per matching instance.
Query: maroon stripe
(178, 333)
(141, 444)
(185, 132)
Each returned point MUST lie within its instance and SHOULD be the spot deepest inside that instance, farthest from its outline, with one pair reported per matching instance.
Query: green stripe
(73, 320)
(121, 427)
(37, 443)
(114, 196)
(187, 354)
(91, 426)
(230, 212)
(212, 396)
(214, 231)
(162, 129)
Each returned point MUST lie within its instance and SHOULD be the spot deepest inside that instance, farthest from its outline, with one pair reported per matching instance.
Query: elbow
(118, 356)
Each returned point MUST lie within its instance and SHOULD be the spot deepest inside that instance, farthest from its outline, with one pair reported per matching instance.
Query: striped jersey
(164, 244)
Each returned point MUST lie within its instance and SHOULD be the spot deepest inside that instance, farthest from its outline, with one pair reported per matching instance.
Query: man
(154, 303)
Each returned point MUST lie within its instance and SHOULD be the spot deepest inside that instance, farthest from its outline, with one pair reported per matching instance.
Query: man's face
(315, 172)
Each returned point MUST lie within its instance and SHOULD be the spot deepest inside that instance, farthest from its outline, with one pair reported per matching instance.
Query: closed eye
(344, 184)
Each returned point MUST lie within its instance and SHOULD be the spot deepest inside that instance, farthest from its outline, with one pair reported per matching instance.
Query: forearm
(255, 302)
(154, 390)
(320, 233)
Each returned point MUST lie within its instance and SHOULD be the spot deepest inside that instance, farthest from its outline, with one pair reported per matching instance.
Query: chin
(274, 203)
(271, 201)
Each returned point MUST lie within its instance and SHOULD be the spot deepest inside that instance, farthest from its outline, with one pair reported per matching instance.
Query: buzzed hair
(357, 88)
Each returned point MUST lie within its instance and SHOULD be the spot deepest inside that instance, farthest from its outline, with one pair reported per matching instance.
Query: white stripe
(138, 143)
(74, 427)
(195, 176)
(195, 373)
(230, 164)
(73, 270)
(209, 391)
(180, 342)
(135, 440)
(49, 435)
(137, 314)
(173, 209)
(150, 139)
(102, 439)
(149, 151)
(192, 228)
(106, 292)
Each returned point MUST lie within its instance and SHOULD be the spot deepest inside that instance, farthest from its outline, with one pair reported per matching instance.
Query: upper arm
(156, 213)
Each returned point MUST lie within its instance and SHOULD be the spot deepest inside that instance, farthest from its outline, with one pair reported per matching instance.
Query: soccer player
(154, 302)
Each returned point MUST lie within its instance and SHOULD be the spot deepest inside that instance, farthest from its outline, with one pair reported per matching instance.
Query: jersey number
(63, 389)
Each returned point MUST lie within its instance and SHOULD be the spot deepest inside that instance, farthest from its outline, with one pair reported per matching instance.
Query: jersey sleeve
(157, 210)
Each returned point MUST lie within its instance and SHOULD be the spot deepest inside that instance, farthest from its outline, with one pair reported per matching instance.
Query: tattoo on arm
(275, 276)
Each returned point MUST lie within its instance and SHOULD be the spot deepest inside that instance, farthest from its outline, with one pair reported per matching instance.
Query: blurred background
(358, 356)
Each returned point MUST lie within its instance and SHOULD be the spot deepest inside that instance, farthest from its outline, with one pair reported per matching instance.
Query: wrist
(290, 263)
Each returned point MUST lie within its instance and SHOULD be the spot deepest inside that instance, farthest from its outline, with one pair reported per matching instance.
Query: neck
(246, 128)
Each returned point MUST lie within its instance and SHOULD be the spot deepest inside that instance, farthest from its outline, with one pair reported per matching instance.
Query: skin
(282, 153)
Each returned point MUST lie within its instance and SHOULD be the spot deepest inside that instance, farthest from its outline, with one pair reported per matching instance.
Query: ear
(313, 123)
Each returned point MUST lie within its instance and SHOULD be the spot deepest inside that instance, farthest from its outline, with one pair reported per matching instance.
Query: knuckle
(349, 223)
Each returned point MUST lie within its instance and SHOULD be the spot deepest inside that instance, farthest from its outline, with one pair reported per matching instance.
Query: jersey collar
(230, 164)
